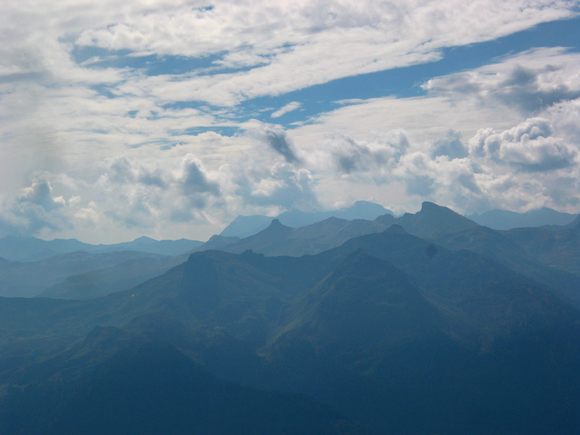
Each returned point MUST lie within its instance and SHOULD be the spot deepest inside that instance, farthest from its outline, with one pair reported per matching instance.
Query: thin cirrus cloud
(287, 108)
(116, 149)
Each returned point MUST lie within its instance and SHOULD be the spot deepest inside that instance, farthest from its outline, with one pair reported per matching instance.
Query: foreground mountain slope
(504, 249)
(147, 387)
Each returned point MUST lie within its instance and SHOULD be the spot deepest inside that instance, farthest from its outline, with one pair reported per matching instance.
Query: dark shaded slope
(354, 316)
(455, 340)
(482, 292)
(147, 387)
(501, 248)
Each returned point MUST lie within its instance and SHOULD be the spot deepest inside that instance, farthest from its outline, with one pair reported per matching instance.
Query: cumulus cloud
(281, 186)
(529, 146)
(381, 154)
(565, 117)
(195, 182)
(35, 209)
(122, 170)
(451, 146)
(530, 81)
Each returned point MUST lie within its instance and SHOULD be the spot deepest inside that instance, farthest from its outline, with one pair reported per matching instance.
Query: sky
(168, 118)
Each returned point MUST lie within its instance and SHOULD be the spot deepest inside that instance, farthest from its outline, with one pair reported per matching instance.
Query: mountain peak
(433, 221)
(277, 225)
(428, 206)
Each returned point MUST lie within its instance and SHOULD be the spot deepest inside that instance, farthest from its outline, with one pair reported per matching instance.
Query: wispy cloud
(287, 108)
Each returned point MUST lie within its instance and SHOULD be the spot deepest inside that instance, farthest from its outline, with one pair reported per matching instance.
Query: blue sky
(170, 117)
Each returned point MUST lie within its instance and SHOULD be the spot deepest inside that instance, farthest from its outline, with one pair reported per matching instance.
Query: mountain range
(244, 226)
(424, 323)
(507, 220)
(20, 248)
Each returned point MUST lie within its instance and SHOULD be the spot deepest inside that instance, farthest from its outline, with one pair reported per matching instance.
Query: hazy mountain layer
(507, 220)
(33, 249)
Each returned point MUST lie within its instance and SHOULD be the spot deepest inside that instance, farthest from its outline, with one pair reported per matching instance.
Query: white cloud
(290, 107)
(530, 81)
(294, 45)
(35, 209)
(529, 146)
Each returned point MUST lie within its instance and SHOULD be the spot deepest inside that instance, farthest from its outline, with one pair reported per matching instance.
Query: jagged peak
(427, 206)
(276, 224)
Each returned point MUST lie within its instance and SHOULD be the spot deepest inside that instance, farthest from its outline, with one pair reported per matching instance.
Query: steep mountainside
(116, 383)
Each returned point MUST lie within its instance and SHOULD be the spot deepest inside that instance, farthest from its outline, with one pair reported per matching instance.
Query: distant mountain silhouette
(19, 248)
(31, 249)
(245, 226)
(31, 278)
(431, 221)
(147, 244)
(118, 277)
(506, 220)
